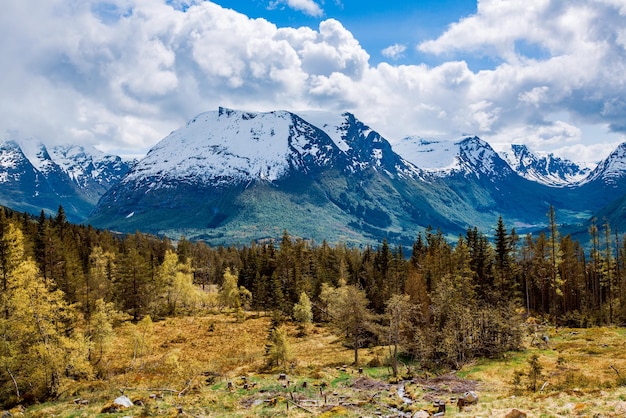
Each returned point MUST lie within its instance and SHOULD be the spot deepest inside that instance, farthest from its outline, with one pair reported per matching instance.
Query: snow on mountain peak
(333, 124)
(442, 157)
(430, 155)
(612, 169)
(37, 153)
(233, 145)
(545, 169)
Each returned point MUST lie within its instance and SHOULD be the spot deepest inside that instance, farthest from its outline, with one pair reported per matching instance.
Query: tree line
(65, 286)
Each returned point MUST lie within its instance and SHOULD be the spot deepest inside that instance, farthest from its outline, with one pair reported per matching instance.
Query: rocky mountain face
(33, 177)
(548, 169)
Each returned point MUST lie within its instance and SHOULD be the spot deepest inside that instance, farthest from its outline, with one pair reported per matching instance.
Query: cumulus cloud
(555, 57)
(122, 74)
(308, 7)
(394, 52)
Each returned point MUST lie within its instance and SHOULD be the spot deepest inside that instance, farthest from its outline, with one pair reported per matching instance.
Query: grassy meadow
(215, 366)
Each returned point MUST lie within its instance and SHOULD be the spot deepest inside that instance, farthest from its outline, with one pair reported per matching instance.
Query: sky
(122, 74)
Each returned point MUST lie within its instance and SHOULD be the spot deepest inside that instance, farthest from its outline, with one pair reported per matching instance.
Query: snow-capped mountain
(229, 146)
(89, 167)
(229, 175)
(34, 177)
(612, 170)
(311, 173)
(547, 169)
(467, 156)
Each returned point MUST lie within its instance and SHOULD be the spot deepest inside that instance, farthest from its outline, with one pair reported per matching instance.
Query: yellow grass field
(213, 366)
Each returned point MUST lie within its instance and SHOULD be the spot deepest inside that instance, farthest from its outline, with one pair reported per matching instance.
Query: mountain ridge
(333, 171)
(35, 177)
(230, 176)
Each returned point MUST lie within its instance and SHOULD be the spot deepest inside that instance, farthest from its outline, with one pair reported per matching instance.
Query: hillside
(214, 366)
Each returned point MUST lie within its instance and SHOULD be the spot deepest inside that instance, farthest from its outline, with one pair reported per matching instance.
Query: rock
(123, 401)
(421, 414)
(515, 413)
(470, 398)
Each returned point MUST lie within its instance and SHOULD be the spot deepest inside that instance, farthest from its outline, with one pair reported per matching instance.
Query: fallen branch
(616, 371)
(153, 390)
(300, 406)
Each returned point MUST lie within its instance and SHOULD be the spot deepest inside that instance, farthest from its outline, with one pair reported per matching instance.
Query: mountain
(612, 170)
(604, 189)
(486, 182)
(231, 176)
(468, 156)
(90, 170)
(34, 177)
(548, 169)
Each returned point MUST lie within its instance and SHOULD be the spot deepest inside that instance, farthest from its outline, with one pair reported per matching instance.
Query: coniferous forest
(65, 287)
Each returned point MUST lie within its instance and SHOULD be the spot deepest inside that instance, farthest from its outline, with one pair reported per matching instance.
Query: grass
(214, 366)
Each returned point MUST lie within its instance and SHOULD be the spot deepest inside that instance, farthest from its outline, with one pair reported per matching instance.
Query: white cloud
(394, 52)
(123, 74)
(308, 7)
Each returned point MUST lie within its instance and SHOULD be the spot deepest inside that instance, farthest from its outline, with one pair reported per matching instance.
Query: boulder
(515, 413)
(123, 401)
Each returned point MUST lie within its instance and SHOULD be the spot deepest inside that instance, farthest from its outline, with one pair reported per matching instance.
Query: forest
(66, 287)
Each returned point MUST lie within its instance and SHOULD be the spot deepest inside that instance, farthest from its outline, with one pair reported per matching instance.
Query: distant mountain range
(232, 177)
(34, 177)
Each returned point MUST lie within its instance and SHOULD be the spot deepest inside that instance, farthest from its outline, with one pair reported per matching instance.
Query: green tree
(279, 351)
(303, 312)
(556, 294)
(347, 308)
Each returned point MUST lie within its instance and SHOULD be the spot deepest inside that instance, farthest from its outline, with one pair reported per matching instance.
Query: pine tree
(555, 260)
(607, 270)
(503, 262)
(279, 351)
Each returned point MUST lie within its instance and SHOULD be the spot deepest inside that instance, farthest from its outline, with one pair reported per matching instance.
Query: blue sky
(122, 74)
(377, 24)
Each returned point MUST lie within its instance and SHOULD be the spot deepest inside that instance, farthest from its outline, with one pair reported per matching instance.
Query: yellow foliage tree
(38, 349)
(175, 286)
